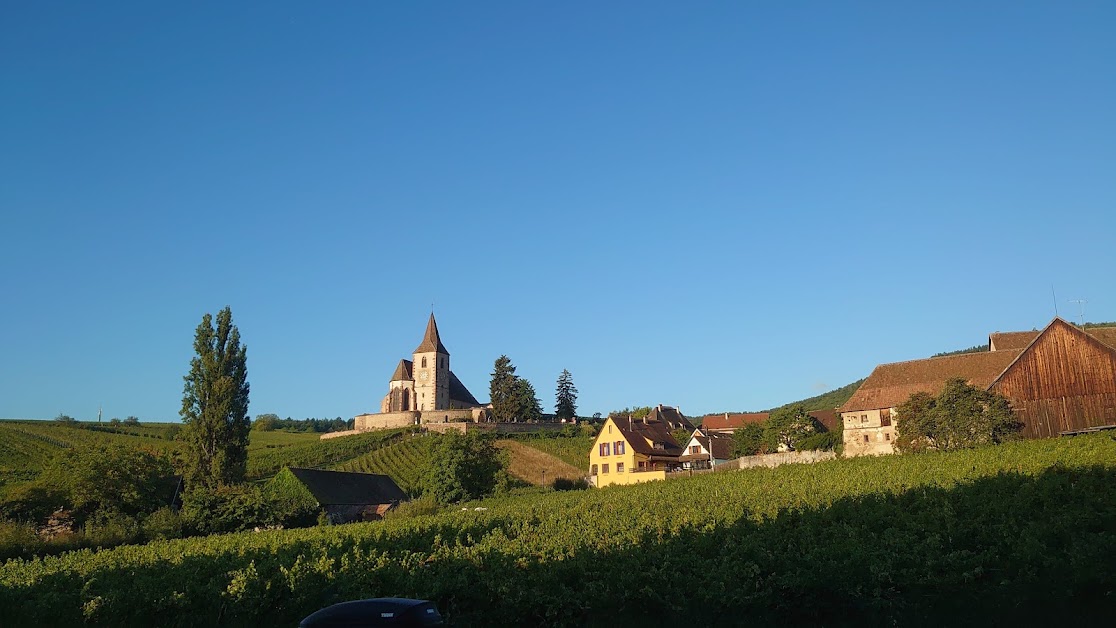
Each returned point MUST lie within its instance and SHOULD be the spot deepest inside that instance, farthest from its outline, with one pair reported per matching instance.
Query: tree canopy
(960, 416)
(789, 426)
(462, 467)
(112, 477)
(513, 398)
(215, 404)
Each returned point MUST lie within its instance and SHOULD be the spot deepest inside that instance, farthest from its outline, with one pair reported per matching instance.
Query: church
(424, 390)
(427, 383)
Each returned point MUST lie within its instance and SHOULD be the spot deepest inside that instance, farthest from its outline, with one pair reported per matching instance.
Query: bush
(30, 502)
(106, 528)
(463, 467)
(421, 507)
(164, 523)
(225, 509)
(825, 441)
(18, 540)
(566, 484)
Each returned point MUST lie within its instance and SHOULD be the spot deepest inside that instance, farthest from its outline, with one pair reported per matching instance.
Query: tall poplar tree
(565, 400)
(215, 405)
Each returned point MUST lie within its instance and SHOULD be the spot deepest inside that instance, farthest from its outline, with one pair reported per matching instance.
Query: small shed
(345, 496)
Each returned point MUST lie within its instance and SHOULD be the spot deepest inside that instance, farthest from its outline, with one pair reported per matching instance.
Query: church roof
(402, 372)
(431, 341)
(459, 393)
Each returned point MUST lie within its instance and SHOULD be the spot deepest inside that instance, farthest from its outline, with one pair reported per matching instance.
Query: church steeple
(431, 342)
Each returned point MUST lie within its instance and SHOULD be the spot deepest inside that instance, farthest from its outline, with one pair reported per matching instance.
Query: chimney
(645, 420)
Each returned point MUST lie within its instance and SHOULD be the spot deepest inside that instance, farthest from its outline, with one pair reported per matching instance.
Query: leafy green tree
(750, 440)
(462, 467)
(637, 412)
(266, 422)
(215, 404)
(565, 403)
(132, 420)
(502, 390)
(110, 478)
(65, 419)
(527, 404)
(960, 416)
(788, 426)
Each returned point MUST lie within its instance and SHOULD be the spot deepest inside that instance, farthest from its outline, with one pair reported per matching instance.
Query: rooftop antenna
(1081, 304)
(1055, 300)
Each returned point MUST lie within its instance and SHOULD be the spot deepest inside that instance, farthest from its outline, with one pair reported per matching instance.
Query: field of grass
(1015, 534)
(572, 450)
(534, 466)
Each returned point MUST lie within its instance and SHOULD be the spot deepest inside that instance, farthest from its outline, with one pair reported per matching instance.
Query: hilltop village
(1060, 380)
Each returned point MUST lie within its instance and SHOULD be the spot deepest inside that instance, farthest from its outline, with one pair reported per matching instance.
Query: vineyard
(404, 461)
(1015, 534)
(316, 453)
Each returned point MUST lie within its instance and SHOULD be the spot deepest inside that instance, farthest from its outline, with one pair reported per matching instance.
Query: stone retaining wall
(774, 460)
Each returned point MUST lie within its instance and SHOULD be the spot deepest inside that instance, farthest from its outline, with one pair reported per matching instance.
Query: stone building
(424, 390)
(1061, 379)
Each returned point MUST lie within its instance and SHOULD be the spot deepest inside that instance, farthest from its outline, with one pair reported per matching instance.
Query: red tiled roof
(732, 421)
(1008, 340)
(891, 384)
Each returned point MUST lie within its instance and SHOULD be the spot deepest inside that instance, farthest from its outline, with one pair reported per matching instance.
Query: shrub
(164, 523)
(566, 484)
(18, 540)
(225, 509)
(421, 507)
(107, 527)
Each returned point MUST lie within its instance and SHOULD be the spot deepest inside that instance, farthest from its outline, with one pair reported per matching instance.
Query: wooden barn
(1060, 379)
(345, 496)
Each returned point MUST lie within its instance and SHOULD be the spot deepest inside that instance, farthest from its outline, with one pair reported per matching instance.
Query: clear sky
(721, 206)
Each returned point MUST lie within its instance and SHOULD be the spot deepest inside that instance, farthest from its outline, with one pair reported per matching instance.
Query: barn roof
(342, 488)
(1107, 335)
(1009, 340)
(891, 384)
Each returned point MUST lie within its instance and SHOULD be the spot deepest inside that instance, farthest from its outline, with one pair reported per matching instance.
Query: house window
(695, 449)
(604, 468)
(642, 465)
(865, 438)
(618, 449)
(619, 467)
(609, 429)
(864, 418)
(887, 436)
(604, 450)
(594, 470)
(885, 417)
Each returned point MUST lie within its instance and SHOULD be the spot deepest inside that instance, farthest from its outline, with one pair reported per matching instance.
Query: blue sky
(721, 206)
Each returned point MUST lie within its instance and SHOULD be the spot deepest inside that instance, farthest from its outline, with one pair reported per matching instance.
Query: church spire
(431, 341)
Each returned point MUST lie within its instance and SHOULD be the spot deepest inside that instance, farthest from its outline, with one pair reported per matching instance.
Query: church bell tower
(431, 371)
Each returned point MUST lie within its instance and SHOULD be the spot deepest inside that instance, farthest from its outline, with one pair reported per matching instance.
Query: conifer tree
(527, 407)
(502, 390)
(565, 405)
(215, 405)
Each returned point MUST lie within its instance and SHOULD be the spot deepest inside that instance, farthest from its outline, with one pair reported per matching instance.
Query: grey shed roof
(342, 488)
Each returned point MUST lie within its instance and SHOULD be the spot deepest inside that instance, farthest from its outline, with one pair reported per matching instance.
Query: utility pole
(1081, 304)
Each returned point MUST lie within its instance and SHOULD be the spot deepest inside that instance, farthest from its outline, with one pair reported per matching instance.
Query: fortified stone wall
(383, 421)
(774, 460)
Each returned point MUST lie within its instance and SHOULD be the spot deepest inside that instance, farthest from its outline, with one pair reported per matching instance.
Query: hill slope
(920, 539)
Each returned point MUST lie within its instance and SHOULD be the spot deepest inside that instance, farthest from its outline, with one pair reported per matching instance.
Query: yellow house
(629, 451)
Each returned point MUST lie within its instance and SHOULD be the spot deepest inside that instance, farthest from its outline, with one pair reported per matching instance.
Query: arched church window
(424, 361)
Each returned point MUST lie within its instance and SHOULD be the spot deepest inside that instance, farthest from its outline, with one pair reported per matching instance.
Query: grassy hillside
(930, 539)
(572, 450)
(530, 464)
(828, 400)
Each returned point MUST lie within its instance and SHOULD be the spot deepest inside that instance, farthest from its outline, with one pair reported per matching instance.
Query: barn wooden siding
(1065, 381)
